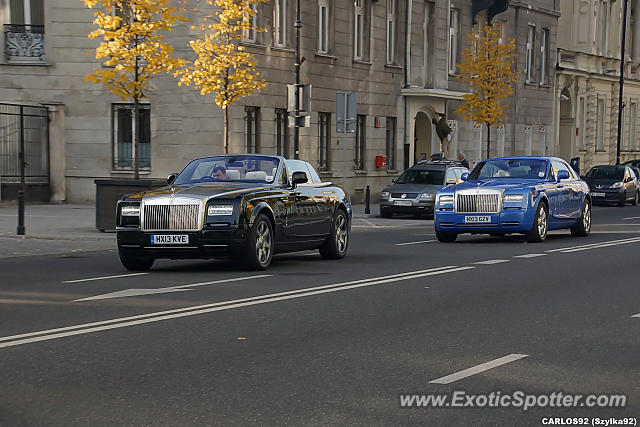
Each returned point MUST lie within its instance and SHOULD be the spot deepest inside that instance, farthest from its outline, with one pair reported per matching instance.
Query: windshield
(510, 168)
(230, 168)
(421, 176)
(606, 172)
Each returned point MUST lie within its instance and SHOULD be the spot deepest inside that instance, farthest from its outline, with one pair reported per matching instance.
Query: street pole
(296, 129)
(20, 230)
(620, 106)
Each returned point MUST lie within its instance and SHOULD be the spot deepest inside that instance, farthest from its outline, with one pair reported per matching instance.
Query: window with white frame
(360, 143)
(633, 110)
(391, 143)
(250, 33)
(280, 22)
(531, 39)
(124, 128)
(282, 132)
(391, 30)
(358, 30)
(582, 122)
(26, 12)
(24, 33)
(428, 37)
(323, 26)
(454, 15)
(605, 13)
(544, 57)
(600, 126)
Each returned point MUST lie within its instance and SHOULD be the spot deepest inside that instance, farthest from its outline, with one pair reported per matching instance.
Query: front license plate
(402, 203)
(594, 194)
(169, 239)
(476, 219)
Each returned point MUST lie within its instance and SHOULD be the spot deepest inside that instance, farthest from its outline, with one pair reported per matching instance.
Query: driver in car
(219, 173)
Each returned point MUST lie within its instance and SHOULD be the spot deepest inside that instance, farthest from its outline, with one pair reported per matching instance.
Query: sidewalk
(66, 228)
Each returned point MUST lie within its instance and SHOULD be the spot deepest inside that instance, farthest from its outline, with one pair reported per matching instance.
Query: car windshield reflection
(261, 169)
(417, 176)
(510, 168)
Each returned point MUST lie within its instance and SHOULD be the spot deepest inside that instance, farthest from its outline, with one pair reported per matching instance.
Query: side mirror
(628, 179)
(464, 176)
(563, 174)
(451, 181)
(394, 180)
(172, 177)
(298, 177)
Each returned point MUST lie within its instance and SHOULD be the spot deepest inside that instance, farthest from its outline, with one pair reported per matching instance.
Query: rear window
(422, 176)
(606, 172)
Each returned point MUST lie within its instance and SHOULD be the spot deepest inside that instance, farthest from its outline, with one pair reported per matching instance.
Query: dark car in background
(414, 192)
(610, 184)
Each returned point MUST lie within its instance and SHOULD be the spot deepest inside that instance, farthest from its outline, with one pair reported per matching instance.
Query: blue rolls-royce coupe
(529, 195)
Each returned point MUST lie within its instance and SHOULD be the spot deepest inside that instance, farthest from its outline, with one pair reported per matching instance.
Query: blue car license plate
(169, 239)
(477, 219)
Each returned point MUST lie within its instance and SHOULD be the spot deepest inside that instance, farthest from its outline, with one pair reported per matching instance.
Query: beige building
(360, 46)
(587, 81)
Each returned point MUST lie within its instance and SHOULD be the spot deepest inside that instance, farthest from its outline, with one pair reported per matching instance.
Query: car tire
(635, 200)
(583, 226)
(335, 247)
(623, 200)
(540, 227)
(446, 236)
(134, 263)
(261, 244)
(385, 213)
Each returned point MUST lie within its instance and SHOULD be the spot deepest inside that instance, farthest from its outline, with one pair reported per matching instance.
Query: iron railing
(31, 125)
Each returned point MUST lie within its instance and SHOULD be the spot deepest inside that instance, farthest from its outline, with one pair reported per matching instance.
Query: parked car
(612, 184)
(633, 163)
(529, 195)
(636, 173)
(244, 206)
(414, 191)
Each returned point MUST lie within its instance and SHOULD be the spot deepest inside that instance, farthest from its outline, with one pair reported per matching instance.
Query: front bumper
(208, 243)
(415, 206)
(507, 221)
(610, 196)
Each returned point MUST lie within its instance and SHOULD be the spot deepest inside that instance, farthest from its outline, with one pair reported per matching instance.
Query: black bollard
(367, 200)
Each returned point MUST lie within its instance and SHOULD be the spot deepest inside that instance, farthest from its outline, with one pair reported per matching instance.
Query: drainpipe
(407, 64)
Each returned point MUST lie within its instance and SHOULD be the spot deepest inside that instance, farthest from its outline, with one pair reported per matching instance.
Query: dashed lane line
(529, 255)
(478, 369)
(103, 278)
(492, 261)
(416, 243)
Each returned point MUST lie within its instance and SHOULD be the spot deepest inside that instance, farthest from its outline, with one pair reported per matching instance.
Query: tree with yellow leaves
(222, 64)
(488, 67)
(133, 50)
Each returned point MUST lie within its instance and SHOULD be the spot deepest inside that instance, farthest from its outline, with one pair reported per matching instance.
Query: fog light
(215, 210)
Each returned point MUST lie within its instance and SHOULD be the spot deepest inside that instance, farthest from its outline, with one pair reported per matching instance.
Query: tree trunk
(226, 131)
(488, 141)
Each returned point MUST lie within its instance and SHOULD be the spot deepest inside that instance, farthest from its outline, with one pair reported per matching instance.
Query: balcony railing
(24, 43)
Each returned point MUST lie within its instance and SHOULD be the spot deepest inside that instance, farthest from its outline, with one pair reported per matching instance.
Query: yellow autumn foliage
(488, 67)
(132, 47)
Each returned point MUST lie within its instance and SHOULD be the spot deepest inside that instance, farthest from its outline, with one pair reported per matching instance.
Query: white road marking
(632, 217)
(415, 243)
(529, 255)
(636, 315)
(87, 328)
(138, 292)
(492, 261)
(103, 278)
(606, 245)
(479, 368)
(620, 241)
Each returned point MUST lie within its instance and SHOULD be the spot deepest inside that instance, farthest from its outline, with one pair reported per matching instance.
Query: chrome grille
(171, 217)
(408, 195)
(478, 203)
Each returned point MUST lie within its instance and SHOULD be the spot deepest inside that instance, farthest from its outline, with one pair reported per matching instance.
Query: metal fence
(31, 124)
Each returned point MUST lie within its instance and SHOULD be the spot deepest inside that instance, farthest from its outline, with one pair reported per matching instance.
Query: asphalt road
(315, 342)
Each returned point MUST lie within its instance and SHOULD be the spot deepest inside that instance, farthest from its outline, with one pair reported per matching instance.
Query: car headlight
(516, 198)
(130, 210)
(445, 198)
(616, 184)
(384, 195)
(215, 210)
(427, 196)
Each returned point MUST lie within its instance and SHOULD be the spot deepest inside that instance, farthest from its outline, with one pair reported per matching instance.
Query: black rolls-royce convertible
(246, 206)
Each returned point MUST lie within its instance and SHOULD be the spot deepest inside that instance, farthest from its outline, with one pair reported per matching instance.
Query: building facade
(587, 81)
(398, 56)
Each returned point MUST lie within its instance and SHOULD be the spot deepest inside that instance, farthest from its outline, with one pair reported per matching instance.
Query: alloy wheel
(342, 235)
(586, 217)
(263, 242)
(542, 223)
